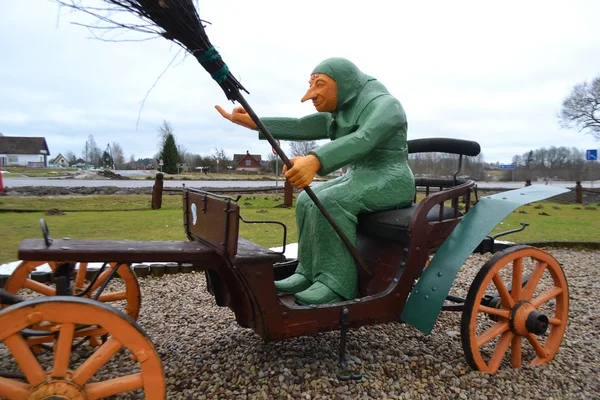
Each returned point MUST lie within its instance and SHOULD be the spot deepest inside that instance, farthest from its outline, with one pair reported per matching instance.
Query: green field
(103, 217)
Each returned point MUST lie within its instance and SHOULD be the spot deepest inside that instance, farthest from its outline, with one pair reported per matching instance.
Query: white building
(61, 161)
(22, 151)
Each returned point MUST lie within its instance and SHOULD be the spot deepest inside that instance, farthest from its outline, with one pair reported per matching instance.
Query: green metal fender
(427, 297)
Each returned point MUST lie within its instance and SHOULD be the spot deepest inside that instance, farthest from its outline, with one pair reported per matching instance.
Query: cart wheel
(126, 298)
(521, 292)
(65, 378)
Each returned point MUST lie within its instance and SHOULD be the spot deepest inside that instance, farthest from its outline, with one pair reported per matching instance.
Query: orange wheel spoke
(62, 352)
(515, 351)
(114, 296)
(550, 294)
(103, 276)
(96, 361)
(25, 359)
(39, 287)
(554, 321)
(500, 351)
(11, 327)
(517, 279)
(499, 312)
(537, 346)
(534, 279)
(111, 387)
(507, 301)
(491, 333)
(13, 389)
(80, 278)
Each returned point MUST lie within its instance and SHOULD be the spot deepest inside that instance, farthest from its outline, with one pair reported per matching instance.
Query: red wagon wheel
(127, 298)
(67, 379)
(520, 293)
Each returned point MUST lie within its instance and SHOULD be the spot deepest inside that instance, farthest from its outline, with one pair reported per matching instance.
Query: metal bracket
(344, 374)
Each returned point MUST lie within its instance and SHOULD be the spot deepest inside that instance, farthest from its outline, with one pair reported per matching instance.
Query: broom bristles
(175, 20)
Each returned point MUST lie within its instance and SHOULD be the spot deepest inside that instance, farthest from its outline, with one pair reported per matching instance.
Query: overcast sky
(494, 72)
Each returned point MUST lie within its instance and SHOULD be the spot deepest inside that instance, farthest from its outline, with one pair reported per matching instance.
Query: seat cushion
(393, 224)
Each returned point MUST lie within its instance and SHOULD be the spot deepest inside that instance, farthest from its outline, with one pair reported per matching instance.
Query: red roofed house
(21, 151)
(247, 162)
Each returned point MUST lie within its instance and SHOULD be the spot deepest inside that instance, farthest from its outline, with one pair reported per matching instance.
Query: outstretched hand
(303, 171)
(238, 116)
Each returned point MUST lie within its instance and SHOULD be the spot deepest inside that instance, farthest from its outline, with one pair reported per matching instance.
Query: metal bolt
(440, 273)
(426, 297)
(433, 289)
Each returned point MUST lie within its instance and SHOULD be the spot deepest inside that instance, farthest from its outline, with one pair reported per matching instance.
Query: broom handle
(263, 129)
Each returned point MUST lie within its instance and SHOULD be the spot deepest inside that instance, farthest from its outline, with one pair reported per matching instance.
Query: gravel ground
(206, 355)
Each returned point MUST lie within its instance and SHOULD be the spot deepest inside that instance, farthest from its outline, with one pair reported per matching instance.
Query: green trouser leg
(302, 279)
(323, 257)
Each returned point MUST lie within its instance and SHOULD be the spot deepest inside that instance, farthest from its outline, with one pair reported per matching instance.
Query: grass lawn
(102, 217)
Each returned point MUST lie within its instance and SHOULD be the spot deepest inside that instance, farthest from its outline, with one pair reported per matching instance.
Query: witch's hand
(303, 170)
(238, 116)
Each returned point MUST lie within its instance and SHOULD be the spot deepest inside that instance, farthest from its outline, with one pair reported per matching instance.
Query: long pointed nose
(310, 94)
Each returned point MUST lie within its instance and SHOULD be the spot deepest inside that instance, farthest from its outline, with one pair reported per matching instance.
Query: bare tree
(118, 156)
(302, 148)
(70, 156)
(219, 154)
(581, 108)
(92, 152)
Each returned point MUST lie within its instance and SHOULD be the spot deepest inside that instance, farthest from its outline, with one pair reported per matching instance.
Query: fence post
(1, 185)
(528, 182)
(157, 190)
(288, 192)
(578, 193)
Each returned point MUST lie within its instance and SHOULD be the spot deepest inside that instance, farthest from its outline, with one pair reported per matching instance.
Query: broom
(179, 22)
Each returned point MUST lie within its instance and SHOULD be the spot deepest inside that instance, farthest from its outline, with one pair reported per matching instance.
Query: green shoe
(292, 285)
(318, 293)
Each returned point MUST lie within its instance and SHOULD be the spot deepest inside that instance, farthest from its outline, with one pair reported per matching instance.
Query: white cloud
(491, 72)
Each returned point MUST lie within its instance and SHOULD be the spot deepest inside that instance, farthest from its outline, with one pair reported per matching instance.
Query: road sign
(507, 166)
(591, 155)
(273, 148)
(160, 162)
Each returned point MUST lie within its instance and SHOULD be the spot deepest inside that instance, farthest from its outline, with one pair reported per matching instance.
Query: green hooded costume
(368, 135)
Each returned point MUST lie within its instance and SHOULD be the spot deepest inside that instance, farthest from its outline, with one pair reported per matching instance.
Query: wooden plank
(126, 251)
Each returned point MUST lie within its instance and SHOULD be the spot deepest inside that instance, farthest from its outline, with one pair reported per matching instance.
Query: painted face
(322, 92)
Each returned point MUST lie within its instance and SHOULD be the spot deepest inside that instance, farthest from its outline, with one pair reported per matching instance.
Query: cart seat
(393, 224)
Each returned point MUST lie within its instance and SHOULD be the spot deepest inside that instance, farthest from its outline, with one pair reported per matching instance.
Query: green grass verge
(104, 219)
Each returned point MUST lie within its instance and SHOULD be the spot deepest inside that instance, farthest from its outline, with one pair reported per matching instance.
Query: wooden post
(528, 182)
(157, 190)
(578, 193)
(288, 193)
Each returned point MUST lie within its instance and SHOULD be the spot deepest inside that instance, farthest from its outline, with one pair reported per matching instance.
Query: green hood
(349, 79)
(355, 90)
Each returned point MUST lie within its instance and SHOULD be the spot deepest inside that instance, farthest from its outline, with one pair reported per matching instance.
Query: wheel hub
(57, 390)
(525, 319)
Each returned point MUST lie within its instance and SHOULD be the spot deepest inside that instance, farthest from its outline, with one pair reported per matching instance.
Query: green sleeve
(380, 120)
(311, 127)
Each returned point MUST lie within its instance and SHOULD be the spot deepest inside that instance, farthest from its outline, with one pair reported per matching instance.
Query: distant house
(21, 151)
(61, 161)
(247, 162)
